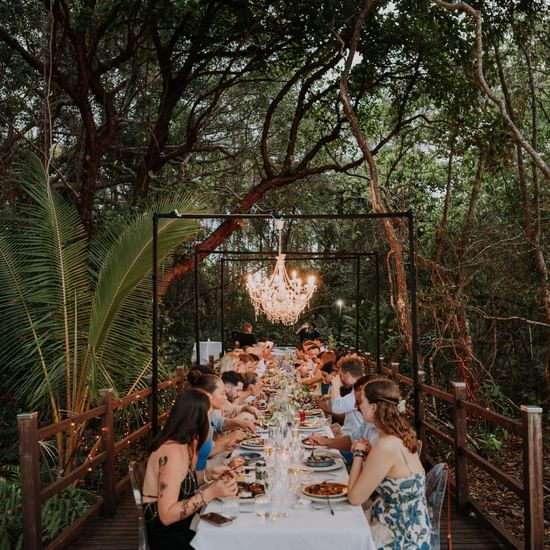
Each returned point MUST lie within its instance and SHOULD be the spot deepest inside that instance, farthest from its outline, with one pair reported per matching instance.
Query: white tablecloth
(207, 348)
(306, 528)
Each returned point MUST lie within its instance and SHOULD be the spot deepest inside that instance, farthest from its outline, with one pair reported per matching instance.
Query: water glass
(263, 506)
(230, 508)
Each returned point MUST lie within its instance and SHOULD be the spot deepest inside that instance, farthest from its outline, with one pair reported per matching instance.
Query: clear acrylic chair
(136, 471)
(436, 485)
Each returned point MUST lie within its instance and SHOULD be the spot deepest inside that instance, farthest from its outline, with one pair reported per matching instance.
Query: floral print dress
(399, 517)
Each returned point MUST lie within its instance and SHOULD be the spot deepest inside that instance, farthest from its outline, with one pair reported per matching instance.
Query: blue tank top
(204, 453)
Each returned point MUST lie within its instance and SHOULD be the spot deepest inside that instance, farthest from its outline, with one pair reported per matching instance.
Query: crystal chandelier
(281, 298)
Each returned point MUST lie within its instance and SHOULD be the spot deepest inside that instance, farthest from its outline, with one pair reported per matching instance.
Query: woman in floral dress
(398, 516)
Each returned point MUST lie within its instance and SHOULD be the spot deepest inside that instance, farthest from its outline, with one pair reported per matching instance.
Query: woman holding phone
(171, 494)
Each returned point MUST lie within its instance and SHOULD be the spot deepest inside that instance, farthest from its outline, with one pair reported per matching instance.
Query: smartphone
(216, 519)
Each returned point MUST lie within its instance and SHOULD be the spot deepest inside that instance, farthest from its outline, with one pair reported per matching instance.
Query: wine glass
(263, 506)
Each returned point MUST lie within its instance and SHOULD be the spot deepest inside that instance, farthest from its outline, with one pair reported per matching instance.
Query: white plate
(311, 427)
(252, 447)
(335, 498)
(340, 498)
(338, 463)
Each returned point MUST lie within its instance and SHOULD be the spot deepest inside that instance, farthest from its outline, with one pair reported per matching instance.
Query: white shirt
(345, 404)
(354, 421)
(365, 431)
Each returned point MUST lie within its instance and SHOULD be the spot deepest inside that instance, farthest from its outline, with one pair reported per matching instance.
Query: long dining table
(310, 524)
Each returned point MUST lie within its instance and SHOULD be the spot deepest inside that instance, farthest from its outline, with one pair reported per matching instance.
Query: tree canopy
(245, 103)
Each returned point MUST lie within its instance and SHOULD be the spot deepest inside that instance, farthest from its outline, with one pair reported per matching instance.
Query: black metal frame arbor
(408, 215)
(247, 256)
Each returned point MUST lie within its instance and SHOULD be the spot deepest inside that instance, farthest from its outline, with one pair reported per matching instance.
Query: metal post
(339, 303)
(222, 328)
(197, 335)
(377, 296)
(412, 270)
(155, 365)
(357, 279)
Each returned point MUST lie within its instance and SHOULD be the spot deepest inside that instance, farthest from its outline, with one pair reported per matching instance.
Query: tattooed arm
(174, 465)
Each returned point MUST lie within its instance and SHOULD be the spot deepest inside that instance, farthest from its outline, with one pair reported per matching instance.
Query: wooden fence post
(461, 434)
(422, 416)
(394, 367)
(108, 435)
(533, 493)
(29, 458)
(180, 374)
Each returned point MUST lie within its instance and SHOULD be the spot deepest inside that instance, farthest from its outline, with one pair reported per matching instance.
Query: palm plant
(76, 312)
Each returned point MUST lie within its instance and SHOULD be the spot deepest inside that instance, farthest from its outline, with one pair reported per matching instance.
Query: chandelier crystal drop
(281, 298)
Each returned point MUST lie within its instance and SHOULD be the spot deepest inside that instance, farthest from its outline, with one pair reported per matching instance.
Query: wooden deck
(120, 532)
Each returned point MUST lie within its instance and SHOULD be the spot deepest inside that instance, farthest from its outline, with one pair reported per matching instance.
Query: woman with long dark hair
(399, 515)
(171, 494)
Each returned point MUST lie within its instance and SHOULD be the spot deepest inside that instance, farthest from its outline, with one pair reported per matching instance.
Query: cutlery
(330, 506)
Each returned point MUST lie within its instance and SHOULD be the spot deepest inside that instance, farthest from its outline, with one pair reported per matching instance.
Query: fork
(330, 506)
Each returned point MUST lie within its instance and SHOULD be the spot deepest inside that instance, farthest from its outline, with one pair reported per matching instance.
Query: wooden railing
(33, 494)
(529, 489)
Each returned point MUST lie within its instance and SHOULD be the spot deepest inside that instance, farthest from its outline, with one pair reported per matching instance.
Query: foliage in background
(77, 315)
(57, 513)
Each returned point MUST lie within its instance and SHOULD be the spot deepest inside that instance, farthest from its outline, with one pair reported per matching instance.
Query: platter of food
(327, 490)
(249, 491)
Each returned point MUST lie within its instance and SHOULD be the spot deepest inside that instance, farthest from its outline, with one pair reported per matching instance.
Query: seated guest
(246, 363)
(234, 382)
(215, 388)
(317, 377)
(246, 337)
(399, 515)
(171, 494)
(326, 377)
(350, 369)
(355, 428)
(228, 361)
(252, 389)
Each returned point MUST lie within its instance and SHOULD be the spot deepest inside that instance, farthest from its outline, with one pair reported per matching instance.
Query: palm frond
(130, 262)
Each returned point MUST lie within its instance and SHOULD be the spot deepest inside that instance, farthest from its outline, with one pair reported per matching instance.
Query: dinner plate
(311, 446)
(338, 463)
(313, 412)
(314, 491)
(253, 444)
(319, 461)
(312, 424)
(250, 456)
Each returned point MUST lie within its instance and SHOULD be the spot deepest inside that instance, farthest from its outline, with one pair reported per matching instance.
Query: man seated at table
(234, 382)
(309, 361)
(350, 369)
(252, 390)
(355, 428)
